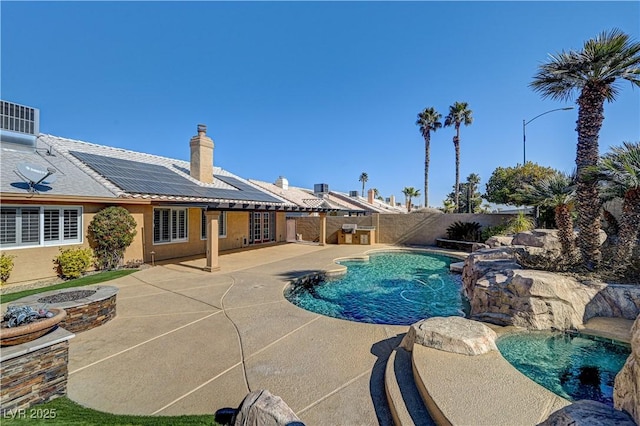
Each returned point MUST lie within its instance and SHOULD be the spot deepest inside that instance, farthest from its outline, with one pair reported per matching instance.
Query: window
(222, 225)
(170, 225)
(262, 227)
(39, 225)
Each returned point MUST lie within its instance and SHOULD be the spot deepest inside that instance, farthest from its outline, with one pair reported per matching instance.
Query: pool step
(404, 399)
(456, 267)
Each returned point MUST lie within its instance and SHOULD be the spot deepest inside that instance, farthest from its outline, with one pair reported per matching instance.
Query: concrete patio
(186, 341)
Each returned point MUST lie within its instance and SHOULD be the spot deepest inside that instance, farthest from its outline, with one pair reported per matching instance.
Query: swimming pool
(570, 365)
(398, 288)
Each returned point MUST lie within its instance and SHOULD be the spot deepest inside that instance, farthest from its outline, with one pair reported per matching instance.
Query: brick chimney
(370, 196)
(202, 155)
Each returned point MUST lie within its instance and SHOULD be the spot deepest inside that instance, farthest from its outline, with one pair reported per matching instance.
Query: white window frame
(178, 219)
(222, 225)
(64, 214)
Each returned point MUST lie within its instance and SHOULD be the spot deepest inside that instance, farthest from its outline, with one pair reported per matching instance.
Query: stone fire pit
(86, 307)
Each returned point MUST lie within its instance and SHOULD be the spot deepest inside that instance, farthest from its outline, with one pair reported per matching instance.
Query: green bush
(111, 231)
(6, 266)
(489, 231)
(520, 223)
(464, 231)
(73, 262)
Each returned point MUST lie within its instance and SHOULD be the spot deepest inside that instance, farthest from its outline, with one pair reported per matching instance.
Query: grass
(87, 280)
(63, 411)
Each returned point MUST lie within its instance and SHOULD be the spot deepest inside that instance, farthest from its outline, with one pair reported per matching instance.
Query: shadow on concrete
(382, 350)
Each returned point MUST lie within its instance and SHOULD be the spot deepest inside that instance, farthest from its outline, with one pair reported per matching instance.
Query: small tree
(112, 230)
(6, 266)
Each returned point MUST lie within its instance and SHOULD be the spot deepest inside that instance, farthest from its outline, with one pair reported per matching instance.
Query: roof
(298, 196)
(91, 170)
(71, 180)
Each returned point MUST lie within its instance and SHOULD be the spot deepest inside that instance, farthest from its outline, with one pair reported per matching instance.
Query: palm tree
(619, 170)
(410, 192)
(363, 178)
(428, 120)
(459, 113)
(557, 191)
(593, 72)
(376, 193)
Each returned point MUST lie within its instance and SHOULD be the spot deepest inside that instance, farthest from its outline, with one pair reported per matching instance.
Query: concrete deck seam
(242, 358)
(142, 343)
(197, 388)
(166, 315)
(283, 337)
(333, 392)
(256, 304)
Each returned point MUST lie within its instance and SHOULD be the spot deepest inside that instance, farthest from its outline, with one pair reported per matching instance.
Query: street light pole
(524, 126)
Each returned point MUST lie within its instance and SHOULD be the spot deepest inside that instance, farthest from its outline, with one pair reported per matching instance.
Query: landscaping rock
(588, 413)
(451, 334)
(546, 239)
(501, 292)
(626, 390)
(262, 408)
(479, 246)
(499, 241)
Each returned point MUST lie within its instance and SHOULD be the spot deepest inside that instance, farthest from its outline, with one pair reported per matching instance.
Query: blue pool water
(572, 366)
(391, 288)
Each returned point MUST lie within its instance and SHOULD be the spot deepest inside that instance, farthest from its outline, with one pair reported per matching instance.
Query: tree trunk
(427, 153)
(629, 228)
(565, 234)
(456, 144)
(590, 117)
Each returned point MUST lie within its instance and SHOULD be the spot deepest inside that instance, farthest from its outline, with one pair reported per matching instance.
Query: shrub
(112, 230)
(489, 231)
(73, 262)
(6, 266)
(464, 231)
(520, 223)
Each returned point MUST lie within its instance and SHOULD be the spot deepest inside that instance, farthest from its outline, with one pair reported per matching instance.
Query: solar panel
(144, 178)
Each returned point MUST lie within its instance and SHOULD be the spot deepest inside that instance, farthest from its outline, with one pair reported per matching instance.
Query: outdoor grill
(349, 228)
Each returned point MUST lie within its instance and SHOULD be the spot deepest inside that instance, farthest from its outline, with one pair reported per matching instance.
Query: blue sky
(318, 92)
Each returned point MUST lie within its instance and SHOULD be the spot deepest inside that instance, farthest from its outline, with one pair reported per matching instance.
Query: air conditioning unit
(19, 124)
(353, 193)
(321, 188)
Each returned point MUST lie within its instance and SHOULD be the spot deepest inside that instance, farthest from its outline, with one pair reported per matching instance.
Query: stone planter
(26, 333)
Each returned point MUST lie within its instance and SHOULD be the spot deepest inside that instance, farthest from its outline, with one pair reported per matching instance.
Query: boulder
(499, 241)
(451, 334)
(543, 238)
(262, 408)
(479, 246)
(588, 413)
(501, 292)
(626, 390)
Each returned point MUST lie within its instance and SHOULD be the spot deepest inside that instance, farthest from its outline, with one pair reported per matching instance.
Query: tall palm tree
(619, 170)
(558, 191)
(376, 193)
(428, 121)
(459, 113)
(593, 72)
(410, 192)
(363, 178)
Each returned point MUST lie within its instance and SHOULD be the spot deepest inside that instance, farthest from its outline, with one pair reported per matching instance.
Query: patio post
(323, 228)
(212, 241)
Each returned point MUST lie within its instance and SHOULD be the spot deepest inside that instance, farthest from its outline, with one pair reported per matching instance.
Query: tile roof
(226, 187)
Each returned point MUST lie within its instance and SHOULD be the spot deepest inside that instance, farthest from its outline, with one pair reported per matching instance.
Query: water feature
(571, 365)
(398, 288)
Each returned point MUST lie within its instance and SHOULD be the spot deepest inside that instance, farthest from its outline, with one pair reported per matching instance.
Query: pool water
(391, 288)
(572, 366)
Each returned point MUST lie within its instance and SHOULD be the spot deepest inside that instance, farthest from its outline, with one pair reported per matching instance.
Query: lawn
(63, 411)
(86, 280)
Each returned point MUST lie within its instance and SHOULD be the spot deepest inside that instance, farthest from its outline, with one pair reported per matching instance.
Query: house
(51, 187)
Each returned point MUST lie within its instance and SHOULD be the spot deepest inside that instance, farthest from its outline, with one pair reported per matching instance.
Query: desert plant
(112, 230)
(73, 262)
(520, 223)
(6, 266)
(464, 231)
(489, 231)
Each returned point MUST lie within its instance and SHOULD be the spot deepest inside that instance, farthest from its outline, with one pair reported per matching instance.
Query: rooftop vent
(353, 193)
(19, 124)
(321, 188)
